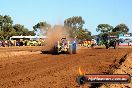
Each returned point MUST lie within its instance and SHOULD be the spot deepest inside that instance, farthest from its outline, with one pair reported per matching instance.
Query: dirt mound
(125, 68)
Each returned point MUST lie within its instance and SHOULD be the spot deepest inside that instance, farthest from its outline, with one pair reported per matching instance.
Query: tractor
(65, 46)
(111, 43)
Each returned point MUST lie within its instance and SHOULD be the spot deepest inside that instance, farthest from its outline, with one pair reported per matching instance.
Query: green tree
(121, 28)
(21, 30)
(83, 34)
(75, 22)
(104, 28)
(6, 29)
(18, 27)
(74, 25)
(88, 32)
(31, 33)
(43, 27)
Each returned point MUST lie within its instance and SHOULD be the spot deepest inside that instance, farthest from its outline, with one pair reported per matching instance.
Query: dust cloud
(55, 34)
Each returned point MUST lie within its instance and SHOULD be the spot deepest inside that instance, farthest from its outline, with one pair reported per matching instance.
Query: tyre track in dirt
(55, 71)
(19, 81)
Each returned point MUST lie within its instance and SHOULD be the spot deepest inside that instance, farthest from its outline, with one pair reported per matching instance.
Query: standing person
(25, 43)
(0, 43)
(6, 43)
(10, 43)
(3, 43)
(21, 43)
(17, 43)
(14, 42)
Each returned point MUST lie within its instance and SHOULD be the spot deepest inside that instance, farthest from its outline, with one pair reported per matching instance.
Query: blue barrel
(74, 47)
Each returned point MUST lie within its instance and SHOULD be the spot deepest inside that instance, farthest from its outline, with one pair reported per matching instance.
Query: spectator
(17, 43)
(21, 43)
(10, 43)
(25, 43)
(0, 43)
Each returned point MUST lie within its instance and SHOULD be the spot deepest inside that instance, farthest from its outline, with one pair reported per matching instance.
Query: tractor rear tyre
(56, 51)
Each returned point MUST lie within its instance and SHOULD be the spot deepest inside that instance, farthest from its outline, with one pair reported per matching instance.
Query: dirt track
(53, 71)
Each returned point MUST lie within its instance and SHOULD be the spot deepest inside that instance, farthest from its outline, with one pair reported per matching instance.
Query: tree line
(107, 30)
(74, 26)
(8, 29)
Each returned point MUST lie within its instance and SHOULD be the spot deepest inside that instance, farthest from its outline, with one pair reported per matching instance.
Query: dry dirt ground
(124, 68)
(27, 67)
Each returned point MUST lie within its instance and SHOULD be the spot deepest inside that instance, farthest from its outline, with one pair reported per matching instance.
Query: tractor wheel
(107, 46)
(115, 45)
(92, 46)
(56, 51)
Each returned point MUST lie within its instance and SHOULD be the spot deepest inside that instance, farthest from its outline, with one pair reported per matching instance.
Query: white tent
(27, 37)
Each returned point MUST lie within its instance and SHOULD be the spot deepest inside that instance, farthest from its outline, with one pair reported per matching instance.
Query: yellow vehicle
(31, 43)
(65, 46)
